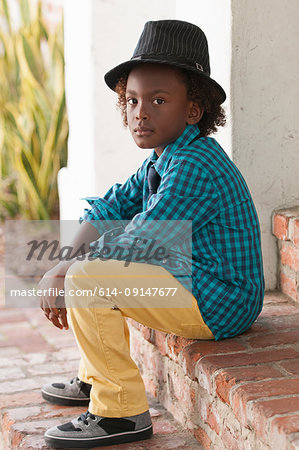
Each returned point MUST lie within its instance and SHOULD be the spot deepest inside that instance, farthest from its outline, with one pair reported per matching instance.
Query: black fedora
(173, 42)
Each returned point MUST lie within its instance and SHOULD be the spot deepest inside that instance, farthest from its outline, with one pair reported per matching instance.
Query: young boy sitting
(171, 105)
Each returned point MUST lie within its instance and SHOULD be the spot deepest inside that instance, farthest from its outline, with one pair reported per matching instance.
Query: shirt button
(164, 260)
(112, 233)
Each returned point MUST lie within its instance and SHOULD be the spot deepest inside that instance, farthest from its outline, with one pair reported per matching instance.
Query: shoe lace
(74, 379)
(85, 416)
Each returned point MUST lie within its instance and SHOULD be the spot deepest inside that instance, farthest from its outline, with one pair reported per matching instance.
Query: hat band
(171, 59)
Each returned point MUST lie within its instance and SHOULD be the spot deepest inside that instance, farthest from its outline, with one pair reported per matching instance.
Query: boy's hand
(58, 316)
(54, 307)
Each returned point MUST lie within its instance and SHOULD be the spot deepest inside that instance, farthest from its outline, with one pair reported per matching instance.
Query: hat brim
(112, 77)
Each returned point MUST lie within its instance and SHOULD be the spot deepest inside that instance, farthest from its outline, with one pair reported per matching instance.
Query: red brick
(16, 431)
(279, 310)
(268, 388)
(53, 367)
(284, 322)
(146, 332)
(67, 354)
(243, 394)
(295, 232)
(26, 339)
(230, 377)
(159, 340)
(21, 429)
(58, 338)
(261, 325)
(214, 362)
(230, 441)
(152, 386)
(275, 298)
(192, 353)
(9, 352)
(213, 419)
(17, 386)
(286, 424)
(278, 338)
(182, 391)
(265, 409)
(46, 411)
(203, 438)
(11, 315)
(288, 285)
(11, 373)
(280, 226)
(33, 443)
(266, 323)
(175, 344)
(20, 399)
(289, 256)
(164, 426)
(291, 366)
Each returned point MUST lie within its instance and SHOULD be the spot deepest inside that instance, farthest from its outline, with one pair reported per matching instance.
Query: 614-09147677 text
(101, 292)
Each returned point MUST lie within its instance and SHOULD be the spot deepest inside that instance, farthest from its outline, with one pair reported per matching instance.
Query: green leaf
(6, 13)
(25, 12)
(33, 120)
(33, 58)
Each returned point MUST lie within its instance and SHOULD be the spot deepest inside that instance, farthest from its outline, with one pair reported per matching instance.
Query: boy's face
(158, 107)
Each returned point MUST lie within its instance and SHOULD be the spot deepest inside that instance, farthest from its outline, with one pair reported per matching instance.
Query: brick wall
(286, 229)
(236, 394)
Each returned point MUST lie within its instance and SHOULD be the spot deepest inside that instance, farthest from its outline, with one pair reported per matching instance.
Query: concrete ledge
(240, 393)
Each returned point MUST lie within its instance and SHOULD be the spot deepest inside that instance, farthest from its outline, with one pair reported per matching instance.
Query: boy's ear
(195, 113)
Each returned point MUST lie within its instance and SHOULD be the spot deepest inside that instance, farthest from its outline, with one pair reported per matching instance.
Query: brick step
(240, 393)
(236, 394)
(39, 353)
(286, 229)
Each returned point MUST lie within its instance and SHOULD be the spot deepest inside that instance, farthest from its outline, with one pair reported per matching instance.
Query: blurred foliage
(33, 119)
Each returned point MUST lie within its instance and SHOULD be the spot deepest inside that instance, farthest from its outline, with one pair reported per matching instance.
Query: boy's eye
(159, 101)
(132, 101)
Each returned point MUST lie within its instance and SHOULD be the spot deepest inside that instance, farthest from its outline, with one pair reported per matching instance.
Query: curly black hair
(199, 89)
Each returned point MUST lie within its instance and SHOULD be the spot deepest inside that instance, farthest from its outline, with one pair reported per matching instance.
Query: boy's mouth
(143, 131)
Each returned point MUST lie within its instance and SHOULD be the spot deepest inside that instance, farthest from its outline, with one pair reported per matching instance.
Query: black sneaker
(89, 431)
(73, 393)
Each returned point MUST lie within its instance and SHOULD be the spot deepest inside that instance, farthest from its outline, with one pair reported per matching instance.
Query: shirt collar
(189, 134)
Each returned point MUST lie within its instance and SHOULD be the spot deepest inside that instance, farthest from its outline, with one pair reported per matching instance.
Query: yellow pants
(97, 316)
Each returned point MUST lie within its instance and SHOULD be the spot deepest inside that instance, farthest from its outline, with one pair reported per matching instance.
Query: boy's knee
(75, 270)
(75, 277)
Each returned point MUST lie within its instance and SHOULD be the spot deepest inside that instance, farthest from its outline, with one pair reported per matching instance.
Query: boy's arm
(54, 278)
(186, 193)
(119, 203)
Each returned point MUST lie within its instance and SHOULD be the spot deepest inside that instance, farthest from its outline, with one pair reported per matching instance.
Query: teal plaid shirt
(199, 183)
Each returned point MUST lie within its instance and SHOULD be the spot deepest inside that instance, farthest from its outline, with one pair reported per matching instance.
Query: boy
(170, 105)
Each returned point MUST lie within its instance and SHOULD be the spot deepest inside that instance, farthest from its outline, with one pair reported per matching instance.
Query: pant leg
(102, 333)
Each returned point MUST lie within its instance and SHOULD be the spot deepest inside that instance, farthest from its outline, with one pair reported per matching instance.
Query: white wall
(214, 18)
(265, 105)
(77, 180)
(99, 35)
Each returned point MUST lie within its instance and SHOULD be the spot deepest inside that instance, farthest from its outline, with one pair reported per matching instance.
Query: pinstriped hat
(173, 42)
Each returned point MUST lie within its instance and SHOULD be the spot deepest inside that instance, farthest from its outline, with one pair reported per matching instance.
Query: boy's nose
(142, 113)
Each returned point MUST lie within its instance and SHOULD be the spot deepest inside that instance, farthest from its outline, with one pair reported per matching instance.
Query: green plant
(33, 118)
